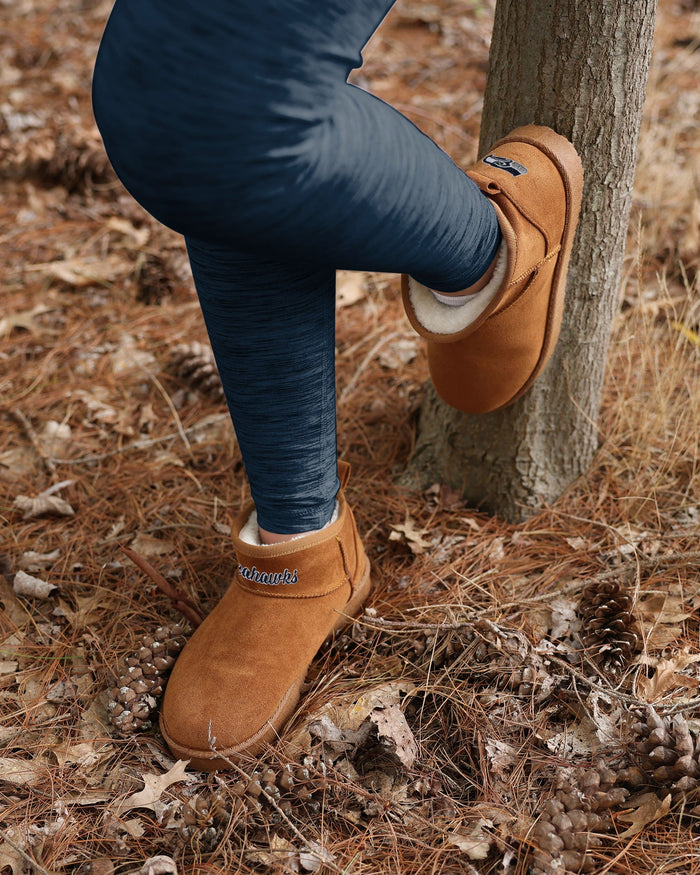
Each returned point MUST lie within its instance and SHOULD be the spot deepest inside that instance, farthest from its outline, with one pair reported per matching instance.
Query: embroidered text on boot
(269, 578)
(506, 164)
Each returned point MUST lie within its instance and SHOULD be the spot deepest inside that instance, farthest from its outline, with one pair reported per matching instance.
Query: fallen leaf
(79, 272)
(146, 545)
(22, 773)
(11, 858)
(648, 808)
(33, 561)
(281, 854)
(476, 843)
(24, 319)
(314, 857)
(42, 504)
(138, 236)
(668, 674)
(128, 357)
(133, 827)
(502, 756)
(393, 730)
(662, 608)
(33, 587)
(413, 536)
(156, 866)
(55, 438)
(382, 696)
(576, 739)
(350, 287)
(8, 666)
(398, 353)
(564, 617)
(153, 787)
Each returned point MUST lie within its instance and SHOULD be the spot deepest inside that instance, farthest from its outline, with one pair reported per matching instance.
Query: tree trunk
(580, 68)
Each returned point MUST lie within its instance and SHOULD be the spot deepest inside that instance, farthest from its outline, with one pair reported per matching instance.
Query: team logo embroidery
(280, 578)
(506, 164)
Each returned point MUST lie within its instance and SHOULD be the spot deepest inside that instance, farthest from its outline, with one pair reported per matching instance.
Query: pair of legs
(234, 124)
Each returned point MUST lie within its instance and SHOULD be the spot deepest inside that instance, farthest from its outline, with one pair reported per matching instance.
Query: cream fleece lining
(439, 318)
(249, 533)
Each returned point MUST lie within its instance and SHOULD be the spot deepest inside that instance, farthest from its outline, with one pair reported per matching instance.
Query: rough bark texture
(580, 68)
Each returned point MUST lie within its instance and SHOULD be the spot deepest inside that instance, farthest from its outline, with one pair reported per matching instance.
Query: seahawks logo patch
(506, 164)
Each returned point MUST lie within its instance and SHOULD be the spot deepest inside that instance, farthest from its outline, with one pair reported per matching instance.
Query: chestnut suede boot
(238, 679)
(487, 352)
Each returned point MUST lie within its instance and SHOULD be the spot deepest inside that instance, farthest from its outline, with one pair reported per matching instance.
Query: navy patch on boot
(506, 164)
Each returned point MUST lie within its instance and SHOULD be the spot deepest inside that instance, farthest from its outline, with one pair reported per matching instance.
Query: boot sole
(208, 761)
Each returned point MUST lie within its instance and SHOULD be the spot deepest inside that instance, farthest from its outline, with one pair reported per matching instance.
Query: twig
(25, 856)
(31, 434)
(186, 607)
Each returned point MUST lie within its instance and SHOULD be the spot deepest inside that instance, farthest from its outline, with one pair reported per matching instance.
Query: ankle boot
(485, 354)
(238, 679)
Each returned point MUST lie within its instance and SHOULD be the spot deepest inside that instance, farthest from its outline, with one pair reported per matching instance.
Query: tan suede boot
(238, 679)
(487, 352)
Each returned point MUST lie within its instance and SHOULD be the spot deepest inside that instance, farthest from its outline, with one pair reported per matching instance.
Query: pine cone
(195, 361)
(609, 631)
(669, 754)
(142, 680)
(572, 820)
(154, 280)
(206, 816)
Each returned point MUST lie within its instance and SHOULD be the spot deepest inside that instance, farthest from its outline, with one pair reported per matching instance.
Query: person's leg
(272, 329)
(244, 135)
(238, 127)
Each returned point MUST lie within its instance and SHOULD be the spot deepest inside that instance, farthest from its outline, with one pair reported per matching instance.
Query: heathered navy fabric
(232, 122)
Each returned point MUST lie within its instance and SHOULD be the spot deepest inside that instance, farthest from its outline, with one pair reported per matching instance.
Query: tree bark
(580, 68)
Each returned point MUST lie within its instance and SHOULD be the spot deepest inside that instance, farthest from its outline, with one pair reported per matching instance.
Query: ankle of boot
(435, 317)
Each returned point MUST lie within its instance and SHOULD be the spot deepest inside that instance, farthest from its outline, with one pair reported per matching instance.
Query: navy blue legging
(232, 122)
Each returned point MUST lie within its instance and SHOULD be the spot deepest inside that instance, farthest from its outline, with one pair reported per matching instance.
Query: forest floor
(516, 698)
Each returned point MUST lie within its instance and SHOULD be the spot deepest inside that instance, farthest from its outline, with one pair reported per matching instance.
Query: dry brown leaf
(22, 773)
(502, 756)
(24, 319)
(79, 272)
(475, 843)
(281, 856)
(392, 728)
(147, 545)
(11, 858)
(647, 808)
(55, 438)
(667, 676)
(350, 287)
(33, 561)
(8, 666)
(32, 587)
(314, 857)
(128, 357)
(662, 608)
(399, 353)
(160, 865)
(138, 237)
(154, 787)
(382, 696)
(42, 504)
(412, 536)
